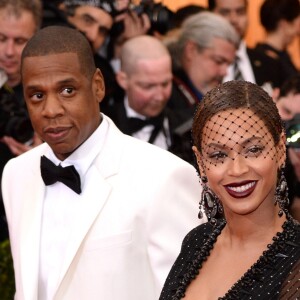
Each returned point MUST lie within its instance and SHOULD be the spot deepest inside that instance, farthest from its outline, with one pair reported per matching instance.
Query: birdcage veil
(237, 119)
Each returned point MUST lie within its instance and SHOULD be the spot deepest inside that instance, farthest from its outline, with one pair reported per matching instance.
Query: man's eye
(241, 12)
(67, 91)
(20, 41)
(37, 96)
(146, 86)
(88, 20)
(2, 38)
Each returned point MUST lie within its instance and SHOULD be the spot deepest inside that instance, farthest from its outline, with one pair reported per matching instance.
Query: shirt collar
(85, 154)
(130, 112)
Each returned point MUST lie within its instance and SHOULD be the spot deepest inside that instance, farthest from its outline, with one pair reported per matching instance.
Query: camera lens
(293, 136)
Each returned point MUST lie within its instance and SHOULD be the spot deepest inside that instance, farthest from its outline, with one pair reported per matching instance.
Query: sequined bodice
(276, 274)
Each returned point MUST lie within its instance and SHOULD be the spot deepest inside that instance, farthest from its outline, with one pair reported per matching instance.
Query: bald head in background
(146, 74)
(144, 47)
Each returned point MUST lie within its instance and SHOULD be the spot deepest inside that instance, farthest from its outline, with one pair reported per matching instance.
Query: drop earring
(209, 203)
(281, 193)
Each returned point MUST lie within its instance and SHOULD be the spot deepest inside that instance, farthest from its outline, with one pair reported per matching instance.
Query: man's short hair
(61, 39)
(202, 28)
(212, 4)
(15, 7)
(107, 5)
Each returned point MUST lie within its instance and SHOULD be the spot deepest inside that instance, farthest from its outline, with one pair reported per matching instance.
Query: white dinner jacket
(138, 205)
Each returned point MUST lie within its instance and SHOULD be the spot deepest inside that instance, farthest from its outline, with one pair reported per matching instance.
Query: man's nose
(223, 70)
(52, 107)
(10, 48)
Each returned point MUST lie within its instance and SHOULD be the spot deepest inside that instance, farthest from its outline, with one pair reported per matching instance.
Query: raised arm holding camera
(133, 20)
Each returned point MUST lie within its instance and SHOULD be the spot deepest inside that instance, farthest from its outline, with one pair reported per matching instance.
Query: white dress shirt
(163, 141)
(244, 65)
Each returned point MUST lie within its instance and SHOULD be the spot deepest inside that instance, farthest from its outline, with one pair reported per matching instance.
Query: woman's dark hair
(291, 85)
(272, 11)
(236, 95)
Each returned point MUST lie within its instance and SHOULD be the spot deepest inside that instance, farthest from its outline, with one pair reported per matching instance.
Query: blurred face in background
(235, 11)
(94, 22)
(15, 31)
(148, 86)
(288, 106)
(207, 67)
(291, 29)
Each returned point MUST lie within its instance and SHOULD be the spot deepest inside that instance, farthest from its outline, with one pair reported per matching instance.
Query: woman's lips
(240, 189)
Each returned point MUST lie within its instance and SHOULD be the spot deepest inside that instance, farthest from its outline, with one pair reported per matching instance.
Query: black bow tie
(136, 124)
(52, 173)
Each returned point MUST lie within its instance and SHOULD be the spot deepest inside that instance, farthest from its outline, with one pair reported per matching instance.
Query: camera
(14, 120)
(292, 129)
(161, 18)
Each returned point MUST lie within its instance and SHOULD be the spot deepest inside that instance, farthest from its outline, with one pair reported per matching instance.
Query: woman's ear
(281, 150)
(197, 154)
(198, 159)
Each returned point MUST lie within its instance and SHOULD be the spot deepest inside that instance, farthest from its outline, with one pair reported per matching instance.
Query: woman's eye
(255, 150)
(217, 155)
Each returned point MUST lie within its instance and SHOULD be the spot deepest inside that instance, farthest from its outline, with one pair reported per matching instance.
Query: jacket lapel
(30, 230)
(95, 194)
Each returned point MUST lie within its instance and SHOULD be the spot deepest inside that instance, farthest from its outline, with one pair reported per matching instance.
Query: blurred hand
(294, 155)
(18, 148)
(134, 25)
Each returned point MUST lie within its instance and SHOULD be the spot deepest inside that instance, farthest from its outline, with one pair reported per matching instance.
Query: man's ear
(122, 80)
(275, 94)
(190, 49)
(98, 85)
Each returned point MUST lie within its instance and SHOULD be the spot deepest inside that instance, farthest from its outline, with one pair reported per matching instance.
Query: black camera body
(14, 119)
(292, 129)
(161, 18)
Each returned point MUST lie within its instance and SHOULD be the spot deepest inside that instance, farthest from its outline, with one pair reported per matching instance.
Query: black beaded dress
(275, 275)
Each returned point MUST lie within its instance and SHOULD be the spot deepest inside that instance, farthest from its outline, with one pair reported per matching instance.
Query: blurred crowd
(157, 65)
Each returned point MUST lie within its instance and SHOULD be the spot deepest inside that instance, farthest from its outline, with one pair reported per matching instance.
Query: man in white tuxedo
(92, 213)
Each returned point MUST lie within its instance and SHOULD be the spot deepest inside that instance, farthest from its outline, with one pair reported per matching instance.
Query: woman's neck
(276, 41)
(254, 228)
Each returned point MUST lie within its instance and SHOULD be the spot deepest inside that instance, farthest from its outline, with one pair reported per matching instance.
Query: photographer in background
(288, 103)
(134, 20)
(95, 20)
(19, 20)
